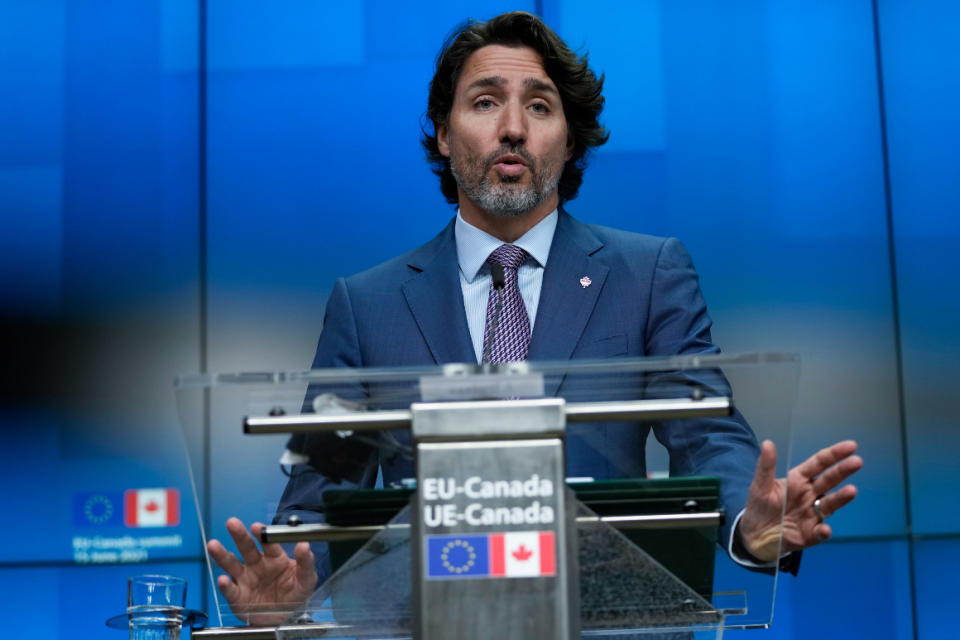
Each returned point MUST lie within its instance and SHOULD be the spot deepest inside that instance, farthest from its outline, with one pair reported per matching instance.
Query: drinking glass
(155, 605)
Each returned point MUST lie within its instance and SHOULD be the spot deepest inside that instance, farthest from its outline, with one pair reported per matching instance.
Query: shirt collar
(474, 245)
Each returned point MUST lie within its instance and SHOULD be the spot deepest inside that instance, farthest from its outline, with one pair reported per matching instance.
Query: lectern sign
(491, 546)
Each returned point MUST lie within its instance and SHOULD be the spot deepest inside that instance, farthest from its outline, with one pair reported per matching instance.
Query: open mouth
(510, 164)
(510, 160)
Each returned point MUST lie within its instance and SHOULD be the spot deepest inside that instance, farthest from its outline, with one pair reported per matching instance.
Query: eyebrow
(539, 85)
(534, 84)
(488, 81)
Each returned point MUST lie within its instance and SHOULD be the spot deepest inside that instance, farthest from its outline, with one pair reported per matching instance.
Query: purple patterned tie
(506, 335)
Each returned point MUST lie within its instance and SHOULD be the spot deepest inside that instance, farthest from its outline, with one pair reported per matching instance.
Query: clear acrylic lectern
(534, 500)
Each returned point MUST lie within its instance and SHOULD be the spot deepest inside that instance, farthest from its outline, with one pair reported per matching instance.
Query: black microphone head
(499, 278)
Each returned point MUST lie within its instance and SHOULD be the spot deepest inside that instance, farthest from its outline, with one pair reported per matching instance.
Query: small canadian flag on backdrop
(151, 507)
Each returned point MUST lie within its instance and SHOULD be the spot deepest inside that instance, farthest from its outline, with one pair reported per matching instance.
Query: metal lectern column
(494, 544)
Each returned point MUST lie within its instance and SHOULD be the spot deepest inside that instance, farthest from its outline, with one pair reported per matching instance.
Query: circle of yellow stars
(94, 500)
(450, 546)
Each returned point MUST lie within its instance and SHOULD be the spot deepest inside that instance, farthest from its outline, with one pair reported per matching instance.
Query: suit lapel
(436, 300)
(565, 304)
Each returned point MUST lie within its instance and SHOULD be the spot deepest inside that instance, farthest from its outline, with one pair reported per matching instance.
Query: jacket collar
(436, 301)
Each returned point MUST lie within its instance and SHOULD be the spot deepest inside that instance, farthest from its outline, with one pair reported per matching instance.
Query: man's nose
(513, 125)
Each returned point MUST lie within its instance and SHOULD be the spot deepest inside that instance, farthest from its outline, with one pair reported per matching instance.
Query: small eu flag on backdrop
(98, 509)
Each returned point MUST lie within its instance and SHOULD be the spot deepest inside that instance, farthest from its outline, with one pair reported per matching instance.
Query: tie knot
(508, 256)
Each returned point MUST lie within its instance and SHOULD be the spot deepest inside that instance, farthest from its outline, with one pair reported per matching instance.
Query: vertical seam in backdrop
(895, 304)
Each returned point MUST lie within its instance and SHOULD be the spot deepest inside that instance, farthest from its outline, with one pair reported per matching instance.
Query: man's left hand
(760, 526)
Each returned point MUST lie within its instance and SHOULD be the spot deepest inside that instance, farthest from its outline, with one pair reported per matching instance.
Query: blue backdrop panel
(31, 147)
(623, 41)
(845, 590)
(103, 224)
(113, 162)
(922, 80)
(417, 31)
(937, 585)
(32, 82)
(249, 34)
(75, 479)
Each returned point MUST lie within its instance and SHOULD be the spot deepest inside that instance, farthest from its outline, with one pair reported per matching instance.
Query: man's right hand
(267, 586)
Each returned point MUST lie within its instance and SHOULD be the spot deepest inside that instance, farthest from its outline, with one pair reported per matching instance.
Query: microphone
(499, 282)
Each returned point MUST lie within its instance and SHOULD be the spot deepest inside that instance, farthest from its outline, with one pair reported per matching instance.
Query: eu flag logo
(456, 556)
(513, 554)
(98, 509)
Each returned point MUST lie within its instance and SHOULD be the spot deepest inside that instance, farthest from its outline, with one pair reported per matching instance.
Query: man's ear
(570, 145)
(443, 140)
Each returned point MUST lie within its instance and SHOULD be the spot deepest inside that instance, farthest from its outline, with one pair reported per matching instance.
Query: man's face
(506, 136)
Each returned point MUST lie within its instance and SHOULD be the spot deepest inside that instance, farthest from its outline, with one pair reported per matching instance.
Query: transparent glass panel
(282, 469)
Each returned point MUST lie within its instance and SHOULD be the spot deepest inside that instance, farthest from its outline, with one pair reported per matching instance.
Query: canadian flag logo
(151, 507)
(523, 553)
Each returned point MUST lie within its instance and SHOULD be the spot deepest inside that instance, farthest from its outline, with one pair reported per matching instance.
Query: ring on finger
(817, 510)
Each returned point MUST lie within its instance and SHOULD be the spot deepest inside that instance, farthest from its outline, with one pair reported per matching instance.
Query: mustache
(504, 150)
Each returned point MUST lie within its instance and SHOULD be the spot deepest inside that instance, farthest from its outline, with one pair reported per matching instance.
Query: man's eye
(540, 107)
(483, 103)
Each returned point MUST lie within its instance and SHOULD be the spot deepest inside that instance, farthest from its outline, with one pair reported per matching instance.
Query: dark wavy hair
(580, 90)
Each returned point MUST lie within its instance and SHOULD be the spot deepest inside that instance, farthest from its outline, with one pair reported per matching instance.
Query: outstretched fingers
(245, 543)
(826, 458)
(835, 475)
(226, 560)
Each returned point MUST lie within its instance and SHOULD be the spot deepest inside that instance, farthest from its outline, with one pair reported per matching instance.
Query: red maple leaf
(151, 506)
(522, 553)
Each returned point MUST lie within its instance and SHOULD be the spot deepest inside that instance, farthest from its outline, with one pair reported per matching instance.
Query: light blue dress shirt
(474, 246)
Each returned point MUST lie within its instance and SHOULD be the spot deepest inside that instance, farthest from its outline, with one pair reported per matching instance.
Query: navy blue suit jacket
(644, 300)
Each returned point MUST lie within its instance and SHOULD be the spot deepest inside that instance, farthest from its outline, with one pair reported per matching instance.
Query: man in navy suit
(514, 113)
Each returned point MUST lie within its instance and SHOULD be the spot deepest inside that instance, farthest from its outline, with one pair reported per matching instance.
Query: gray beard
(508, 198)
